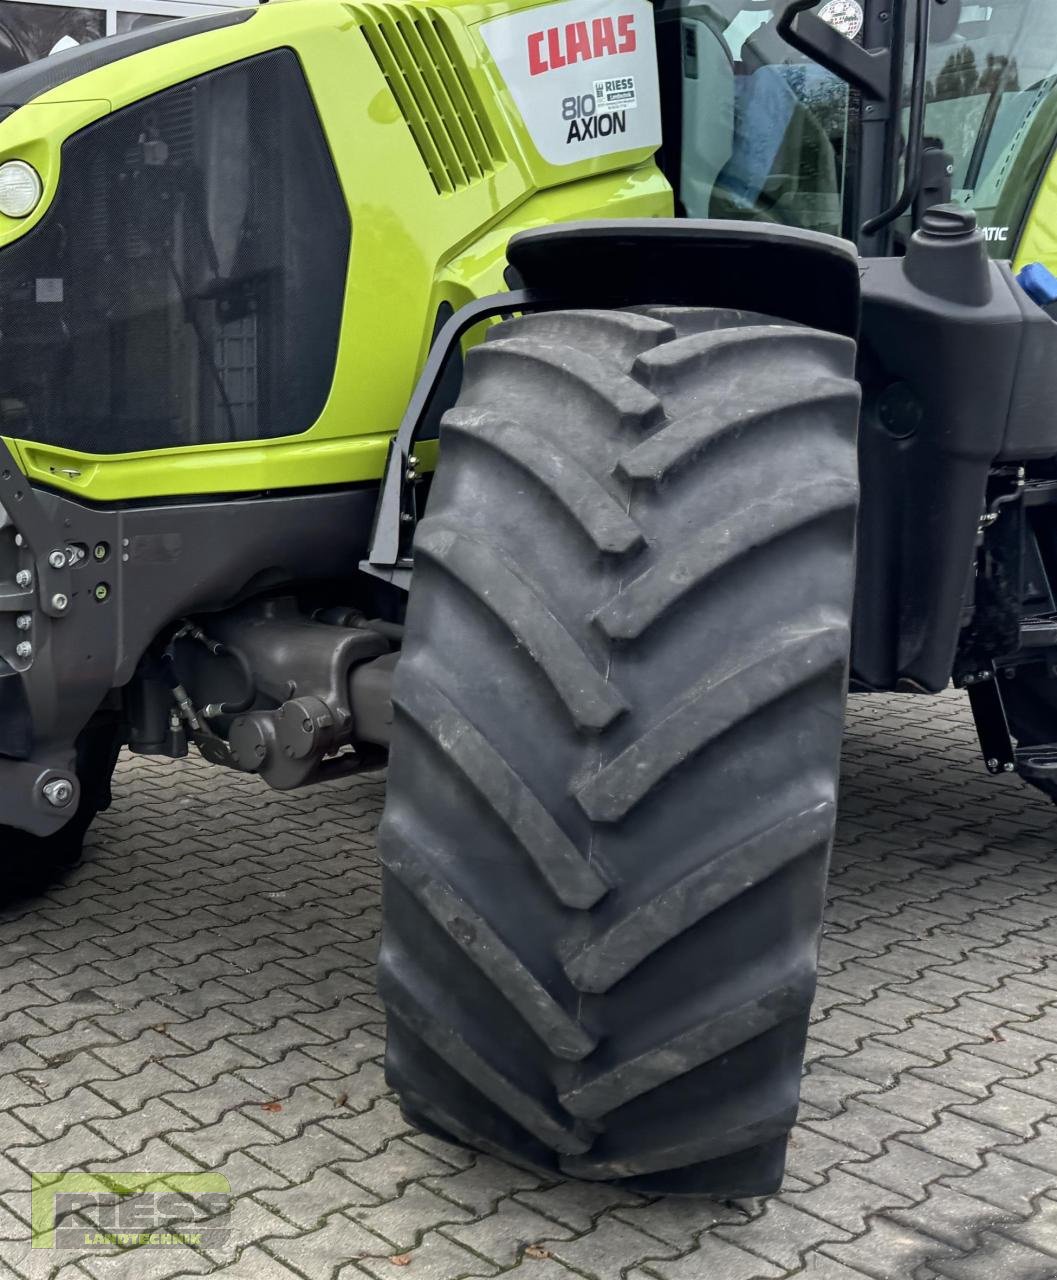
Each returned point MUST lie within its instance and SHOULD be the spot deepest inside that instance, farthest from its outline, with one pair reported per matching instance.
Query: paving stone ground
(198, 997)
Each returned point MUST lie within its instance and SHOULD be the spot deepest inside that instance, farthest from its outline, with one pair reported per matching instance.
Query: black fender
(802, 276)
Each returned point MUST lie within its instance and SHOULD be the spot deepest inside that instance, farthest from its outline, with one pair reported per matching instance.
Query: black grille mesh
(186, 285)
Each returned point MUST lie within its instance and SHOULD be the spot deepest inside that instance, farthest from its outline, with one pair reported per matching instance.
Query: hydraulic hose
(218, 649)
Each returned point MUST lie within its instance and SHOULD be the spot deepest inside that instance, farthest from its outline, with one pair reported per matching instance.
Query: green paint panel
(437, 170)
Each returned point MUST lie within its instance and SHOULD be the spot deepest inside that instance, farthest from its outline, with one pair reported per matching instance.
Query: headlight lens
(20, 188)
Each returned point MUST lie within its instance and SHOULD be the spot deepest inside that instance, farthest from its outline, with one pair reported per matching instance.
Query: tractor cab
(769, 116)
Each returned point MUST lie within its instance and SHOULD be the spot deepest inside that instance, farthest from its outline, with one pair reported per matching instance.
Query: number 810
(583, 104)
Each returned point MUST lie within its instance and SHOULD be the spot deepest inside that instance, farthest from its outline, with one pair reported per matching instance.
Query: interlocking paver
(677, 1221)
(404, 1219)
(198, 995)
(297, 1157)
(482, 1185)
(52, 1119)
(579, 1207)
(965, 1070)
(907, 1170)
(812, 1155)
(159, 1264)
(846, 1201)
(220, 1097)
(309, 1203)
(603, 1252)
(322, 1251)
(996, 1255)
(917, 1099)
(212, 1144)
(715, 1256)
(782, 1233)
(1037, 1229)
(150, 1080)
(438, 1257)
(77, 1145)
(865, 1128)
(1015, 1110)
(256, 1263)
(395, 1167)
(874, 1060)
(1040, 1151)
(959, 1139)
(952, 1217)
(223, 1055)
(202, 1031)
(1007, 1184)
(130, 1133)
(818, 1267)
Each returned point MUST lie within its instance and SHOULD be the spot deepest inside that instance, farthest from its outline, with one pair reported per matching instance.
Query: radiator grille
(432, 86)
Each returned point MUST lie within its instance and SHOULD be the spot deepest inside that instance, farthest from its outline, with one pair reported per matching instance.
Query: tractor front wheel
(34, 861)
(618, 715)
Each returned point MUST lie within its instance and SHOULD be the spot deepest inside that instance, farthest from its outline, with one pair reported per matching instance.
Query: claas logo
(580, 42)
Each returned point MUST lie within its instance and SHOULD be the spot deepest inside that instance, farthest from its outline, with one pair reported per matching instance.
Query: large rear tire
(618, 715)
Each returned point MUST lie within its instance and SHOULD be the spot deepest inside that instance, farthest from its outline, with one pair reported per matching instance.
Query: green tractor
(486, 388)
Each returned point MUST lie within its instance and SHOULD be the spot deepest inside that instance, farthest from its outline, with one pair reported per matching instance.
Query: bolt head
(101, 591)
(1007, 767)
(100, 551)
(24, 578)
(59, 601)
(24, 621)
(57, 559)
(19, 540)
(24, 649)
(58, 792)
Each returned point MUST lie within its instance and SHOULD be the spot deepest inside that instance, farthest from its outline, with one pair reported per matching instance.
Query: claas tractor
(488, 391)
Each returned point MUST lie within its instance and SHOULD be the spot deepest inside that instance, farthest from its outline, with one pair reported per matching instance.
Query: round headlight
(20, 188)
